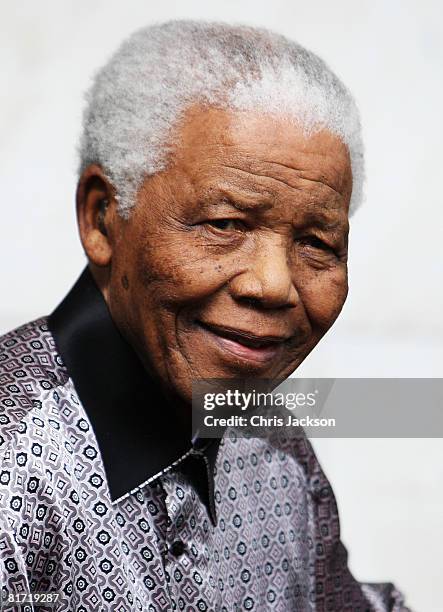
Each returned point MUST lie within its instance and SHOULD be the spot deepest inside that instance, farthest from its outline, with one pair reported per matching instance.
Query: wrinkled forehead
(268, 148)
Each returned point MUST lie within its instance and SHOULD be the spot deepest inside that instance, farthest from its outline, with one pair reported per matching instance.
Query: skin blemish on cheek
(125, 282)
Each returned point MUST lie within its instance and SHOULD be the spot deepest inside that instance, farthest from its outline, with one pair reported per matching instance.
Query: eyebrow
(240, 202)
(250, 201)
(320, 220)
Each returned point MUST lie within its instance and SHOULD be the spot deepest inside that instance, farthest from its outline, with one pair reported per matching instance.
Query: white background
(390, 54)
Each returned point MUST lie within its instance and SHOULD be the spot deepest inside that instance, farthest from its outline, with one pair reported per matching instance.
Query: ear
(95, 209)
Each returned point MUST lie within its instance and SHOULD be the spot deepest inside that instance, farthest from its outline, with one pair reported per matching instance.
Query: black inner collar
(136, 433)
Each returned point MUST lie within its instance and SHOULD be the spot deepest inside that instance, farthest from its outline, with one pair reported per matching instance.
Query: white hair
(139, 96)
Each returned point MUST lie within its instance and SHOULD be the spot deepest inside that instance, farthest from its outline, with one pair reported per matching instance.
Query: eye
(316, 243)
(224, 225)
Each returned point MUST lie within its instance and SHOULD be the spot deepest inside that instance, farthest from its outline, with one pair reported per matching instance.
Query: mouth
(245, 345)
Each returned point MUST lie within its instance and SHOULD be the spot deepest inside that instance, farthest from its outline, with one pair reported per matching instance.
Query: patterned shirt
(105, 500)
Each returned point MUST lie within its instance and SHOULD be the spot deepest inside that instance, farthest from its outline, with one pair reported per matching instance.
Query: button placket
(182, 557)
(173, 510)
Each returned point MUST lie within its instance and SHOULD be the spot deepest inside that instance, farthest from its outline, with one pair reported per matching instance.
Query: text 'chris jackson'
(263, 421)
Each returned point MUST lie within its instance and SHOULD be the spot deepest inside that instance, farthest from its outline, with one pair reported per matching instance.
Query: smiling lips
(245, 345)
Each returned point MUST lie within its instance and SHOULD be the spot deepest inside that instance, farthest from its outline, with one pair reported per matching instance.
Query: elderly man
(218, 167)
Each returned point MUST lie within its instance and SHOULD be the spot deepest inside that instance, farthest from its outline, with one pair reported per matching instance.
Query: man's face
(233, 263)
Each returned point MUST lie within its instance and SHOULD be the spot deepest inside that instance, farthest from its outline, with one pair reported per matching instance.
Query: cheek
(323, 297)
(174, 273)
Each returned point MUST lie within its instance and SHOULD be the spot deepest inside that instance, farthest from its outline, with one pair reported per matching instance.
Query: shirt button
(177, 548)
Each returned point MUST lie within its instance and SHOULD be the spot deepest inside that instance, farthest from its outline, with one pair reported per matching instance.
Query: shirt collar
(136, 432)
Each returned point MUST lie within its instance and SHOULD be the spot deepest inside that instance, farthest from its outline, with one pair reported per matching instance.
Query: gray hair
(139, 96)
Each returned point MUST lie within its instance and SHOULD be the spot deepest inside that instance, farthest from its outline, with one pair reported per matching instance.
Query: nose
(266, 281)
